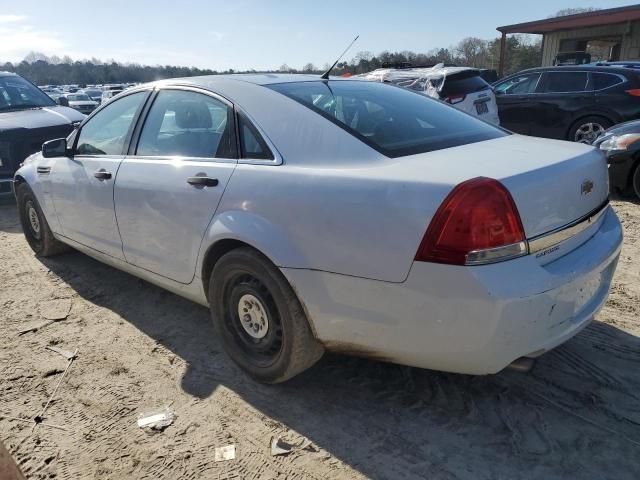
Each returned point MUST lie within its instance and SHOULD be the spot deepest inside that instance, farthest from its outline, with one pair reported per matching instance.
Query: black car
(576, 103)
(622, 147)
(28, 118)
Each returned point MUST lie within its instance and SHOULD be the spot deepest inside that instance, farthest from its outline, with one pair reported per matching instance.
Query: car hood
(39, 117)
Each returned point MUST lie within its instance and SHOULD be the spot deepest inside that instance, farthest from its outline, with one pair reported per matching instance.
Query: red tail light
(453, 99)
(634, 92)
(477, 223)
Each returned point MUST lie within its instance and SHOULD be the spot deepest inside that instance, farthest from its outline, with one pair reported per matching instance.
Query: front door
(516, 99)
(82, 185)
(169, 188)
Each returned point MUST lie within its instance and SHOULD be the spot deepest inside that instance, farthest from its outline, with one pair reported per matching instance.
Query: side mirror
(55, 148)
(64, 101)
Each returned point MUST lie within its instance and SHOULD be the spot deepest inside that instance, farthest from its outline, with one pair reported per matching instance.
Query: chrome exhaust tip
(522, 364)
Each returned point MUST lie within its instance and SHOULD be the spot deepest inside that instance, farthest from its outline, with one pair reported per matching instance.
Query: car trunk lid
(553, 183)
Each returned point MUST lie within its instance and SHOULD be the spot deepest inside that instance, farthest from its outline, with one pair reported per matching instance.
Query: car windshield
(78, 97)
(93, 93)
(16, 94)
(393, 120)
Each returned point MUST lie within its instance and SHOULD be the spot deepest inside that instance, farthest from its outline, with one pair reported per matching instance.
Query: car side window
(106, 132)
(519, 85)
(251, 142)
(566, 82)
(187, 124)
(604, 80)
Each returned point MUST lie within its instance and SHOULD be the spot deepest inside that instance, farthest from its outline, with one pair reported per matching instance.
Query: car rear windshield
(463, 83)
(393, 120)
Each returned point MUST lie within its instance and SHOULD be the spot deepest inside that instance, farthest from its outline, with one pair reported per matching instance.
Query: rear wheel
(34, 224)
(259, 318)
(587, 129)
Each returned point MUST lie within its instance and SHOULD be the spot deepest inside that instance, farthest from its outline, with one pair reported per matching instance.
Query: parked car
(462, 87)
(28, 118)
(94, 94)
(110, 91)
(568, 103)
(334, 214)
(79, 101)
(622, 147)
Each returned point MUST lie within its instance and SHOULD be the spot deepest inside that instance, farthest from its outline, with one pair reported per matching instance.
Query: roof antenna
(325, 75)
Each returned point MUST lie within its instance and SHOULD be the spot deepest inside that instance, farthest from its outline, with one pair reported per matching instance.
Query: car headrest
(192, 114)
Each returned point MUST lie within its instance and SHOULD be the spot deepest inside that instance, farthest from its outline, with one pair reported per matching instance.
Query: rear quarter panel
(354, 221)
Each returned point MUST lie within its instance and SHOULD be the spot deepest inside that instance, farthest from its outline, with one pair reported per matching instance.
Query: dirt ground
(576, 415)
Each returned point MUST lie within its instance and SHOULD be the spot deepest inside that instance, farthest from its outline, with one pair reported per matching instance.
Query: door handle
(202, 181)
(102, 174)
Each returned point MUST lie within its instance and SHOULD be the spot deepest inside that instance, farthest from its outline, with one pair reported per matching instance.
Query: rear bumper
(473, 320)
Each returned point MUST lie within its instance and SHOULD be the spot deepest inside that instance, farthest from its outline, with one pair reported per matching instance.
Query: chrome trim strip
(559, 235)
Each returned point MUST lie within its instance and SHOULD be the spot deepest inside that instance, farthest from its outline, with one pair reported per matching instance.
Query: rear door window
(604, 80)
(251, 143)
(187, 124)
(394, 121)
(565, 82)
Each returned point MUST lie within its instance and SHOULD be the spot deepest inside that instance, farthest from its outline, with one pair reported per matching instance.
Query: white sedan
(342, 215)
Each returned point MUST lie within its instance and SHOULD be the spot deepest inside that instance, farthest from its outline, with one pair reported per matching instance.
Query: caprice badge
(587, 187)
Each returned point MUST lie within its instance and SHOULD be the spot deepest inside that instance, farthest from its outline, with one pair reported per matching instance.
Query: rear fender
(256, 231)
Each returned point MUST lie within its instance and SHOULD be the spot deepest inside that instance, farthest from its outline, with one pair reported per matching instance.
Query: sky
(244, 34)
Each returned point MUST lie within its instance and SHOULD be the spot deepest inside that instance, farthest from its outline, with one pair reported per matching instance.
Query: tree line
(521, 53)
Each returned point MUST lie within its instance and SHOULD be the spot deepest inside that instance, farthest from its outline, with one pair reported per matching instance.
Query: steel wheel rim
(34, 220)
(253, 316)
(262, 347)
(588, 132)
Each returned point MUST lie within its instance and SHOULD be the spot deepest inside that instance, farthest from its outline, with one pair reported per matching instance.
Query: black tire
(635, 181)
(34, 224)
(588, 128)
(245, 280)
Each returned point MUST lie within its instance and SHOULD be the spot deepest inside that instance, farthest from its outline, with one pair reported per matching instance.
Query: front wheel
(260, 320)
(34, 224)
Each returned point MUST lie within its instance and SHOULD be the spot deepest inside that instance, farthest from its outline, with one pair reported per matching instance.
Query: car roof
(8, 74)
(254, 78)
(584, 67)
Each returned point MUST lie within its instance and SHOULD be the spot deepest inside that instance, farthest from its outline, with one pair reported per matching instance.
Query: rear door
(82, 185)
(170, 184)
(564, 93)
(516, 101)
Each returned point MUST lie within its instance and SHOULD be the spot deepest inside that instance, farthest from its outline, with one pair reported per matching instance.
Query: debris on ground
(65, 353)
(225, 453)
(35, 327)
(39, 418)
(55, 310)
(157, 420)
(280, 447)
